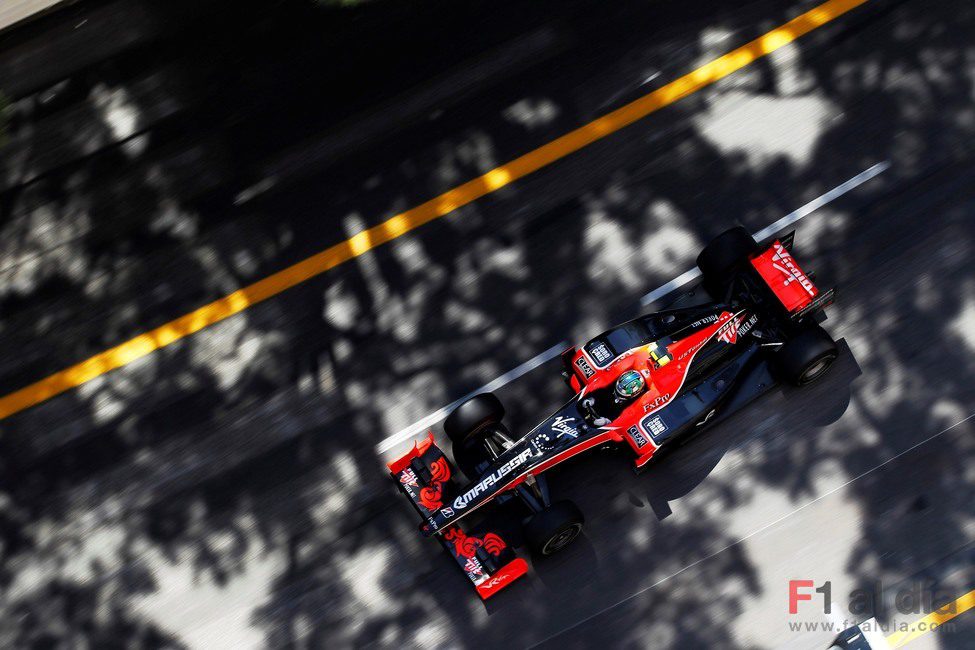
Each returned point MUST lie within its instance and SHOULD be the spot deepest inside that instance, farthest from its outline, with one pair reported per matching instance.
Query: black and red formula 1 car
(646, 384)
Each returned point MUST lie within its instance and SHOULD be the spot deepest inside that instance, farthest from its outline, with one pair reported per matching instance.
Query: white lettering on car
(562, 427)
(694, 348)
(473, 567)
(637, 436)
(585, 367)
(707, 320)
(409, 477)
(600, 353)
(729, 331)
(746, 327)
(656, 402)
(655, 427)
(495, 581)
(491, 479)
(789, 269)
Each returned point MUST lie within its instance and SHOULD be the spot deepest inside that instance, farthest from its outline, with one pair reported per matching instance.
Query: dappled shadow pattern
(230, 480)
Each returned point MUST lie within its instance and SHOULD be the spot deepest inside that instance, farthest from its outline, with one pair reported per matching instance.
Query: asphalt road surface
(228, 490)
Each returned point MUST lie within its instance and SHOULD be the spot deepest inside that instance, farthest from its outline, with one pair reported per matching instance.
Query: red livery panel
(502, 578)
(784, 277)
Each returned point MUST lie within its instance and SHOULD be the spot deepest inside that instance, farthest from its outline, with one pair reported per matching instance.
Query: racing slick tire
(552, 529)
(472, 415)
(806, 357)
(722, 255)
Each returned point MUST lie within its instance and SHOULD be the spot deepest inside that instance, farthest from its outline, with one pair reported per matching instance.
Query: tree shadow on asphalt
(243, 459)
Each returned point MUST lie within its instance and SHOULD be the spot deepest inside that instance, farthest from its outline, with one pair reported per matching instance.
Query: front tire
(554, 528)
(806, 357)
(472, 415)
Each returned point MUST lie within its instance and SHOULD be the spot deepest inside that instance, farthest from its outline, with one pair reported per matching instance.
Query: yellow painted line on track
(435, 208)
(932, 621)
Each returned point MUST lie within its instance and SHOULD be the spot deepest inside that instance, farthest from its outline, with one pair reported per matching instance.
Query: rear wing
(425, 476)
(793, 288)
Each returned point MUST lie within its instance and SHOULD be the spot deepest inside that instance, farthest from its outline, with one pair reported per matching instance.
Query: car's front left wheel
(552, 529)
(473, 415)
(468, 427)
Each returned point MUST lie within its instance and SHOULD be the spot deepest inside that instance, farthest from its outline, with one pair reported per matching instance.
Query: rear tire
(472, 415)
(554, 528)
(722, 256)
(806, 357)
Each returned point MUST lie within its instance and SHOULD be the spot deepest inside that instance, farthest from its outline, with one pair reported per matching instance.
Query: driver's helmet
(629, 384)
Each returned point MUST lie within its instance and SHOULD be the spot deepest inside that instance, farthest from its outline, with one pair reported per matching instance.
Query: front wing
(425, 476)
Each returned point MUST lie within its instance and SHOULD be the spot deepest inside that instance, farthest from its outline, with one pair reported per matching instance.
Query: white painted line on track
(494, 384)
(781, 224)
(684, 278)
(656, 294)
(757, 531)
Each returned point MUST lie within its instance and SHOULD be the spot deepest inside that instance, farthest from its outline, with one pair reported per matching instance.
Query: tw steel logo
(782, 260)
(600, 353)
(491, 479)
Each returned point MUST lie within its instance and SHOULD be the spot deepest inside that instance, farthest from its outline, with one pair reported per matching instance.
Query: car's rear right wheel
(806, 357)
(554, 528)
